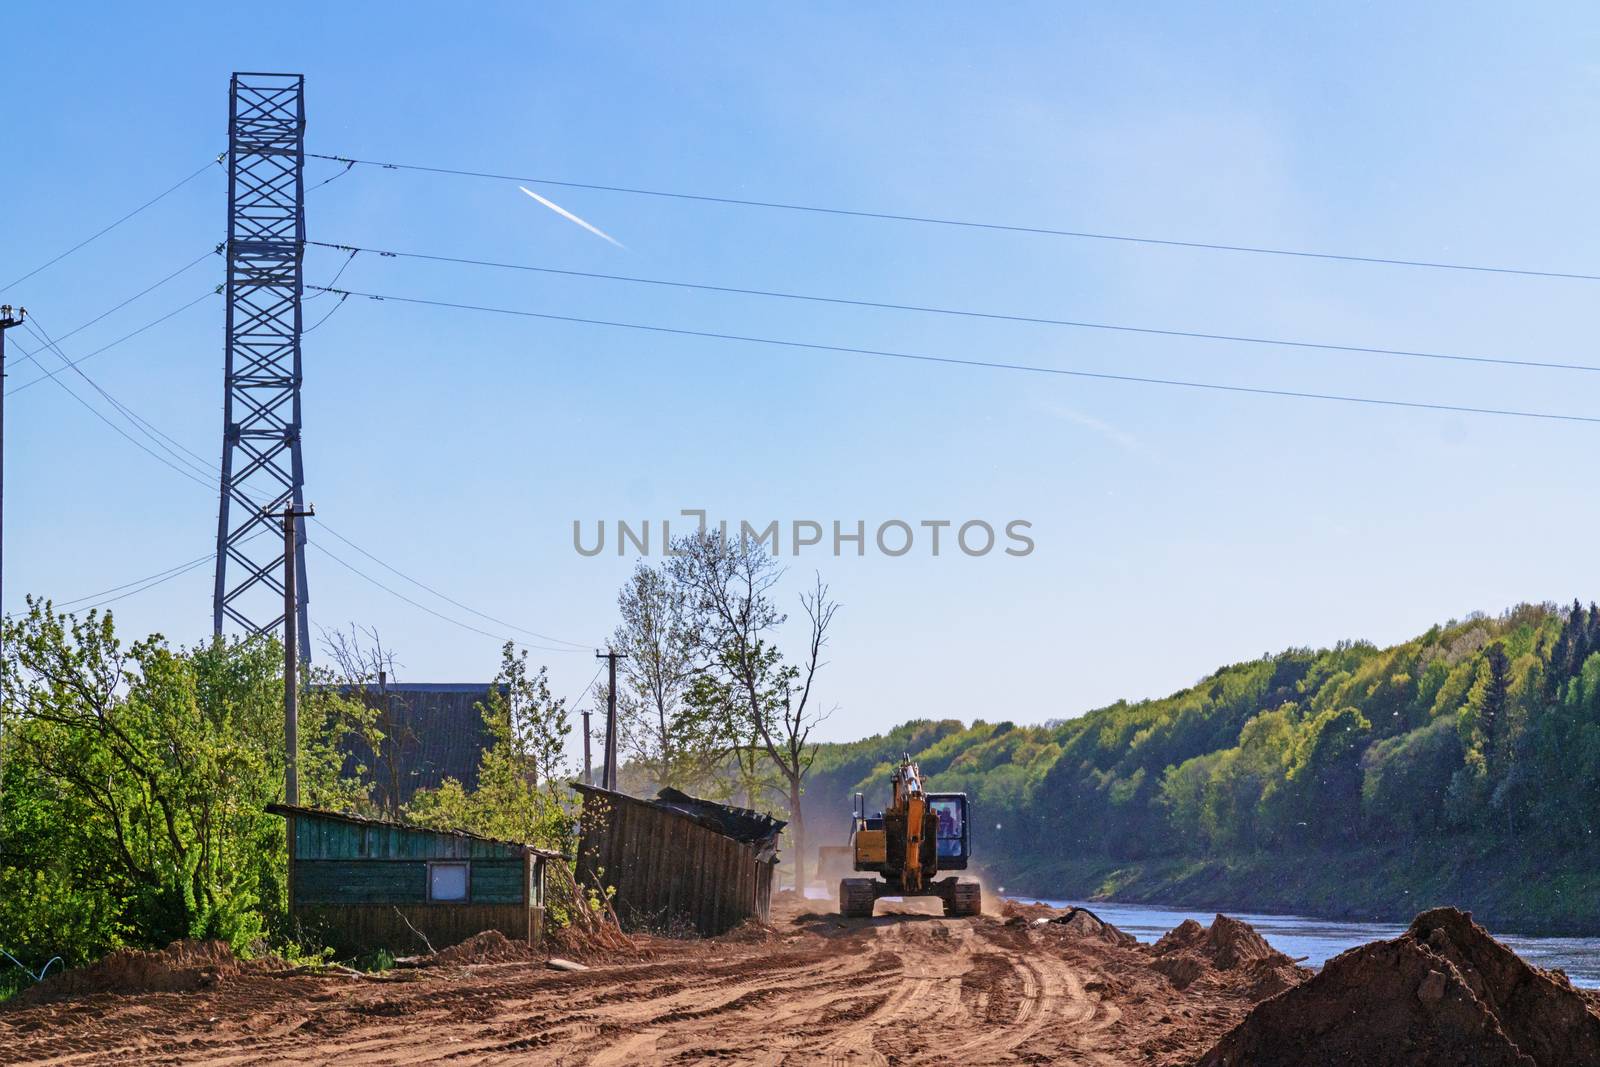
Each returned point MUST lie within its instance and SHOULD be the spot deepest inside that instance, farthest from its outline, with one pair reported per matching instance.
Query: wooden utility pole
(291, 657)
(609, 771)
(7, 320)
(588, 767)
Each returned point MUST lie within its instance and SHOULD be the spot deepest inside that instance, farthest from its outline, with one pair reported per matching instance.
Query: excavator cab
(954, 844)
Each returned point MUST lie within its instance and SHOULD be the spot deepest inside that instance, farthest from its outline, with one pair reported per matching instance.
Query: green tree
(135, 781)
(521, 791)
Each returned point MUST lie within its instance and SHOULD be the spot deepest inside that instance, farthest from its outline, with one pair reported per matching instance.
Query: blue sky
(1176, 530)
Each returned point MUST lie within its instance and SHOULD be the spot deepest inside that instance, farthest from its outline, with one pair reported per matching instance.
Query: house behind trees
(432, 731)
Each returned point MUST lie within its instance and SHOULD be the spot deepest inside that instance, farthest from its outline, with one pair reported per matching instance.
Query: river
(1321, 939)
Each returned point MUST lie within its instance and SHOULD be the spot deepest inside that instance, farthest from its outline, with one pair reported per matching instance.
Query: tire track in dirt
(816, 990)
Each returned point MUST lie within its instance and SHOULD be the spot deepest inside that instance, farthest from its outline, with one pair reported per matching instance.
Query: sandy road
(905, 989)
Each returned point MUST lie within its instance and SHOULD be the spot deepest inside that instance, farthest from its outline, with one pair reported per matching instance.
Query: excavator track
(856, 898)
(964, 900)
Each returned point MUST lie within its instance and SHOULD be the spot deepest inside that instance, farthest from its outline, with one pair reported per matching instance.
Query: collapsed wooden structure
(677, 861)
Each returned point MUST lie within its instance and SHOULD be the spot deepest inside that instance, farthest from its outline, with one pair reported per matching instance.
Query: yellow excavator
(908, 843)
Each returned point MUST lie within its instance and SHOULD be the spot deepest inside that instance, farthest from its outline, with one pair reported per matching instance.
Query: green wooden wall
(341, 862)
(335, 839)
(401, 882)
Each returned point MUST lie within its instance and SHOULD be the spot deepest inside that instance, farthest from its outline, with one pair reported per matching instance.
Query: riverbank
(1506, 890)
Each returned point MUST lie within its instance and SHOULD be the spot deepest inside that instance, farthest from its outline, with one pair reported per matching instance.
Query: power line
(170, 572)
(107, 229)
(149, 581)
(211, 470)
(585, 690)
(987, 364)
(449, 600)
(97, 413)
(967, 313)
(1044, 231)
(147, 289)
(417, 604)
(125, 337)
(161, 440)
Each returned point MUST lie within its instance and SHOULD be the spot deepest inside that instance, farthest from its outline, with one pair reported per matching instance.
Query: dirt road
(815, 989)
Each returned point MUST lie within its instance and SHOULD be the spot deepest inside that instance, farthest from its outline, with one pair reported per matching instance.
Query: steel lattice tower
(261, 467)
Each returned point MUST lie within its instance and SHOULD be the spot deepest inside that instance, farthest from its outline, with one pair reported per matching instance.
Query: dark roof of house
(433, 731)
(754, 828)
(362, 820)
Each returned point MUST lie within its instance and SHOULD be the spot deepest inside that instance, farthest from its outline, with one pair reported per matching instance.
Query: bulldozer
(907, 844)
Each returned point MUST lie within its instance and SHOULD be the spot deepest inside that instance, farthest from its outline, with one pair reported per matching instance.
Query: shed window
(447, 881)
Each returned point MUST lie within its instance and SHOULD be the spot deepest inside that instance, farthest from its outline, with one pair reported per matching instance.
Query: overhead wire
(983, 363)
(576, 645)
(125, 337)
(174, 448)
(418, 604)
(968, 313)
(157, 456)
(208, 471)
(108, 228)
(1046, 231)
(217, 250)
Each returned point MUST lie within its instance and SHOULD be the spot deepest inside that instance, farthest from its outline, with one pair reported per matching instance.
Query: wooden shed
(677, 860)
(359, 884)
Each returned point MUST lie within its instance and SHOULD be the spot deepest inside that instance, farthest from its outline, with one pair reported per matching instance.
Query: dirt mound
(1083, 923)
(1189, 952)
(181, 967)
(490, 946)
(1443, 993)
(1016, 909)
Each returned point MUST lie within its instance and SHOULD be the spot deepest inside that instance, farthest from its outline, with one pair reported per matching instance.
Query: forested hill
(1356, 780)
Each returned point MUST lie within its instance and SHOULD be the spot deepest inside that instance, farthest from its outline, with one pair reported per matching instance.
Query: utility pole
(588, 768)
(609, 771)
(7, 320)
(291, 657)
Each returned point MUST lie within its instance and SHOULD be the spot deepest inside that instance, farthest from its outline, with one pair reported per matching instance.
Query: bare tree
(731, 585)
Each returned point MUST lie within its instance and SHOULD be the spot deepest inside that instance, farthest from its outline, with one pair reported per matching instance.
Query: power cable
(97, 413)
(212, 471)
(1045, 231)
(107, 229)
(147, 289)
(576, 645)
(417, 604)
(147, 582)
(585, 690)
(172, 447)
(125, 337)
(966, 313)
(169, 572)
(986, 364)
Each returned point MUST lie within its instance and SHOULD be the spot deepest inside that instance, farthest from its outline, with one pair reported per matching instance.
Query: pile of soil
(181, 967)
(1083, 923)
(1228, 950)
(1443, 993)
(490, 946)
(1016, 909)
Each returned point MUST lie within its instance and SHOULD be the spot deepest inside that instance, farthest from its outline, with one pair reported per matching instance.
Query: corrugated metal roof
(363, 820)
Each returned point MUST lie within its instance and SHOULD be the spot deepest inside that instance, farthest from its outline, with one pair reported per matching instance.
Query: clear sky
(1176, 530)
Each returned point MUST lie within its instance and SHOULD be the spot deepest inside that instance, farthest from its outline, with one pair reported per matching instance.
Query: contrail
(564, 213)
